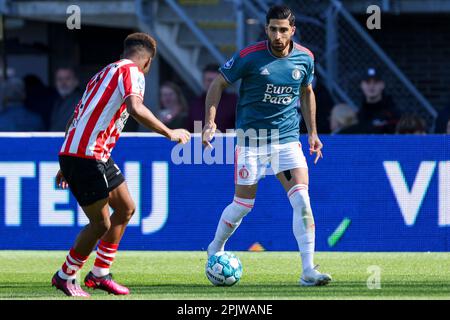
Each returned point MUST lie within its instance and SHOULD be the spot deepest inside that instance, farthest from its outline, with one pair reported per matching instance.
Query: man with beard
(275, 74)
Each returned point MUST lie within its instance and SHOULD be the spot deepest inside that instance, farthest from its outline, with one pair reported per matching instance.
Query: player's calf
(99, 228)
(229, 221)
(303, 223)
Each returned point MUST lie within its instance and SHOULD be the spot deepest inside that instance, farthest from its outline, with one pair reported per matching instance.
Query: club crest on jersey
(296, 74)
(243, 173)
(229, 64)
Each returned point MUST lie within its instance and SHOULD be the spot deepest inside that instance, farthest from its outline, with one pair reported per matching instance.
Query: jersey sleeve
(308, 79)
(233, 69)
(131, 83)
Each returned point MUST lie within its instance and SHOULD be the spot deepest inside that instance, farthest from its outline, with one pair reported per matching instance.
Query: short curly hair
(139, 41)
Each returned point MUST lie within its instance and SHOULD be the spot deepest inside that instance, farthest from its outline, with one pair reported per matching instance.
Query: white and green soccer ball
(224, 269)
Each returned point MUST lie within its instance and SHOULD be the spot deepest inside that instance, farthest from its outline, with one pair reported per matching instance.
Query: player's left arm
(308, 108)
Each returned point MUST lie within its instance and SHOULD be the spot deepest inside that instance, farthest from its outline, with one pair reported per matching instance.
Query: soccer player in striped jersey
(275, 74)
(86, 166)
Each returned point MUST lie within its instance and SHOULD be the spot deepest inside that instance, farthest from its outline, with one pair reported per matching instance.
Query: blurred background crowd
(48, 65)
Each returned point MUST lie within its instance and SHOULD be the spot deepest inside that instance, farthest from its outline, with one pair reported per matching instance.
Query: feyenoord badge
(243, 173)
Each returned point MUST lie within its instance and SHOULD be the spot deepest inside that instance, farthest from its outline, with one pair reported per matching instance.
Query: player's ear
(266, 28)
(293, 30)
(148, 63)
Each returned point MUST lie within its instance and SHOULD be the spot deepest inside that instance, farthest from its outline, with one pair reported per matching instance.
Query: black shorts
(90, 180)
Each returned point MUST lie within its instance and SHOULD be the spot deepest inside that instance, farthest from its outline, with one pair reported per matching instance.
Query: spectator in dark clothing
(324, 103)
(66, 83)
(173, 106)
(443, 121)
(225, 118)
(378, 112)
(39, 98)
(13, 114)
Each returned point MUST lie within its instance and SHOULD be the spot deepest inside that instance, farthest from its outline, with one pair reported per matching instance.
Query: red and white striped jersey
(101, 114)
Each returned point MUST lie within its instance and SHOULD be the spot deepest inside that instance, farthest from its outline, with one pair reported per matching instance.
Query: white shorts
(253, 163)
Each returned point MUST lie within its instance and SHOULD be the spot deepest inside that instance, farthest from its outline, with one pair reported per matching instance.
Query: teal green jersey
(270, 89)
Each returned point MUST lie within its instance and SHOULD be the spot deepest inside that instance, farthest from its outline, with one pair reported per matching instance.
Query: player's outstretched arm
(308, 108)
(211, 105)
(144, 116)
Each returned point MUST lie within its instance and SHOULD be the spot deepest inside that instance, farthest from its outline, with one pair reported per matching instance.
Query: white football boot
(312, 277)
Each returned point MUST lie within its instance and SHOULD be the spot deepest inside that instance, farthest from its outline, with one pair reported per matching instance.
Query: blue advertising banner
(368, 193)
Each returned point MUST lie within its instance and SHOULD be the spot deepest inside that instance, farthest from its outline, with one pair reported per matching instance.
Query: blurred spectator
(378, 112)
(225, 118)
(39, 98)
(411, 124)
(66, 83)
(344, 120)
(13, 115)
(1, 92)
(443, 121)
(173, 106)
(324, 103)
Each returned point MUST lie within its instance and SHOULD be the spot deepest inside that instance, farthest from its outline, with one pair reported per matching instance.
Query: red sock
(106, 253)
(73, 263)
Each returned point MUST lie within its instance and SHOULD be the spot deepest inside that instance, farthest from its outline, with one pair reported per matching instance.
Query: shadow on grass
(335, 290)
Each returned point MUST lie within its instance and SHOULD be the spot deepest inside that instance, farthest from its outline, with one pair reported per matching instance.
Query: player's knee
(243, 211)
(101, 227)
(243, 206)
(298, 196)
(129, 212)
(125, 212)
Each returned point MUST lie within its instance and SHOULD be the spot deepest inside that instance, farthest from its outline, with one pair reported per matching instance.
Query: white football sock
(230, 220)
(303, 224)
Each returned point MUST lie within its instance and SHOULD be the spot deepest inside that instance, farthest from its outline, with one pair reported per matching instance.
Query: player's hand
(208, 133)
(61, 181)
(180, 135)
(315, 146)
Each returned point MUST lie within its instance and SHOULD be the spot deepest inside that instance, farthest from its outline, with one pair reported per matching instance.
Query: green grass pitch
(267, 275)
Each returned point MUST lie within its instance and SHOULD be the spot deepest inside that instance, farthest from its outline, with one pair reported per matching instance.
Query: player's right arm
(233, 70)
(144, 116)
(211, 104)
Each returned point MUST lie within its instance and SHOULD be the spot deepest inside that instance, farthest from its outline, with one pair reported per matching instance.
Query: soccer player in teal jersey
(275, 74)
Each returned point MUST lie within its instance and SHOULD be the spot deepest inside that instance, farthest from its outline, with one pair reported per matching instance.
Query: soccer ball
(224, 269)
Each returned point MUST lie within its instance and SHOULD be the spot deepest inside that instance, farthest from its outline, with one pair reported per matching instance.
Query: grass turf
(267, 275)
